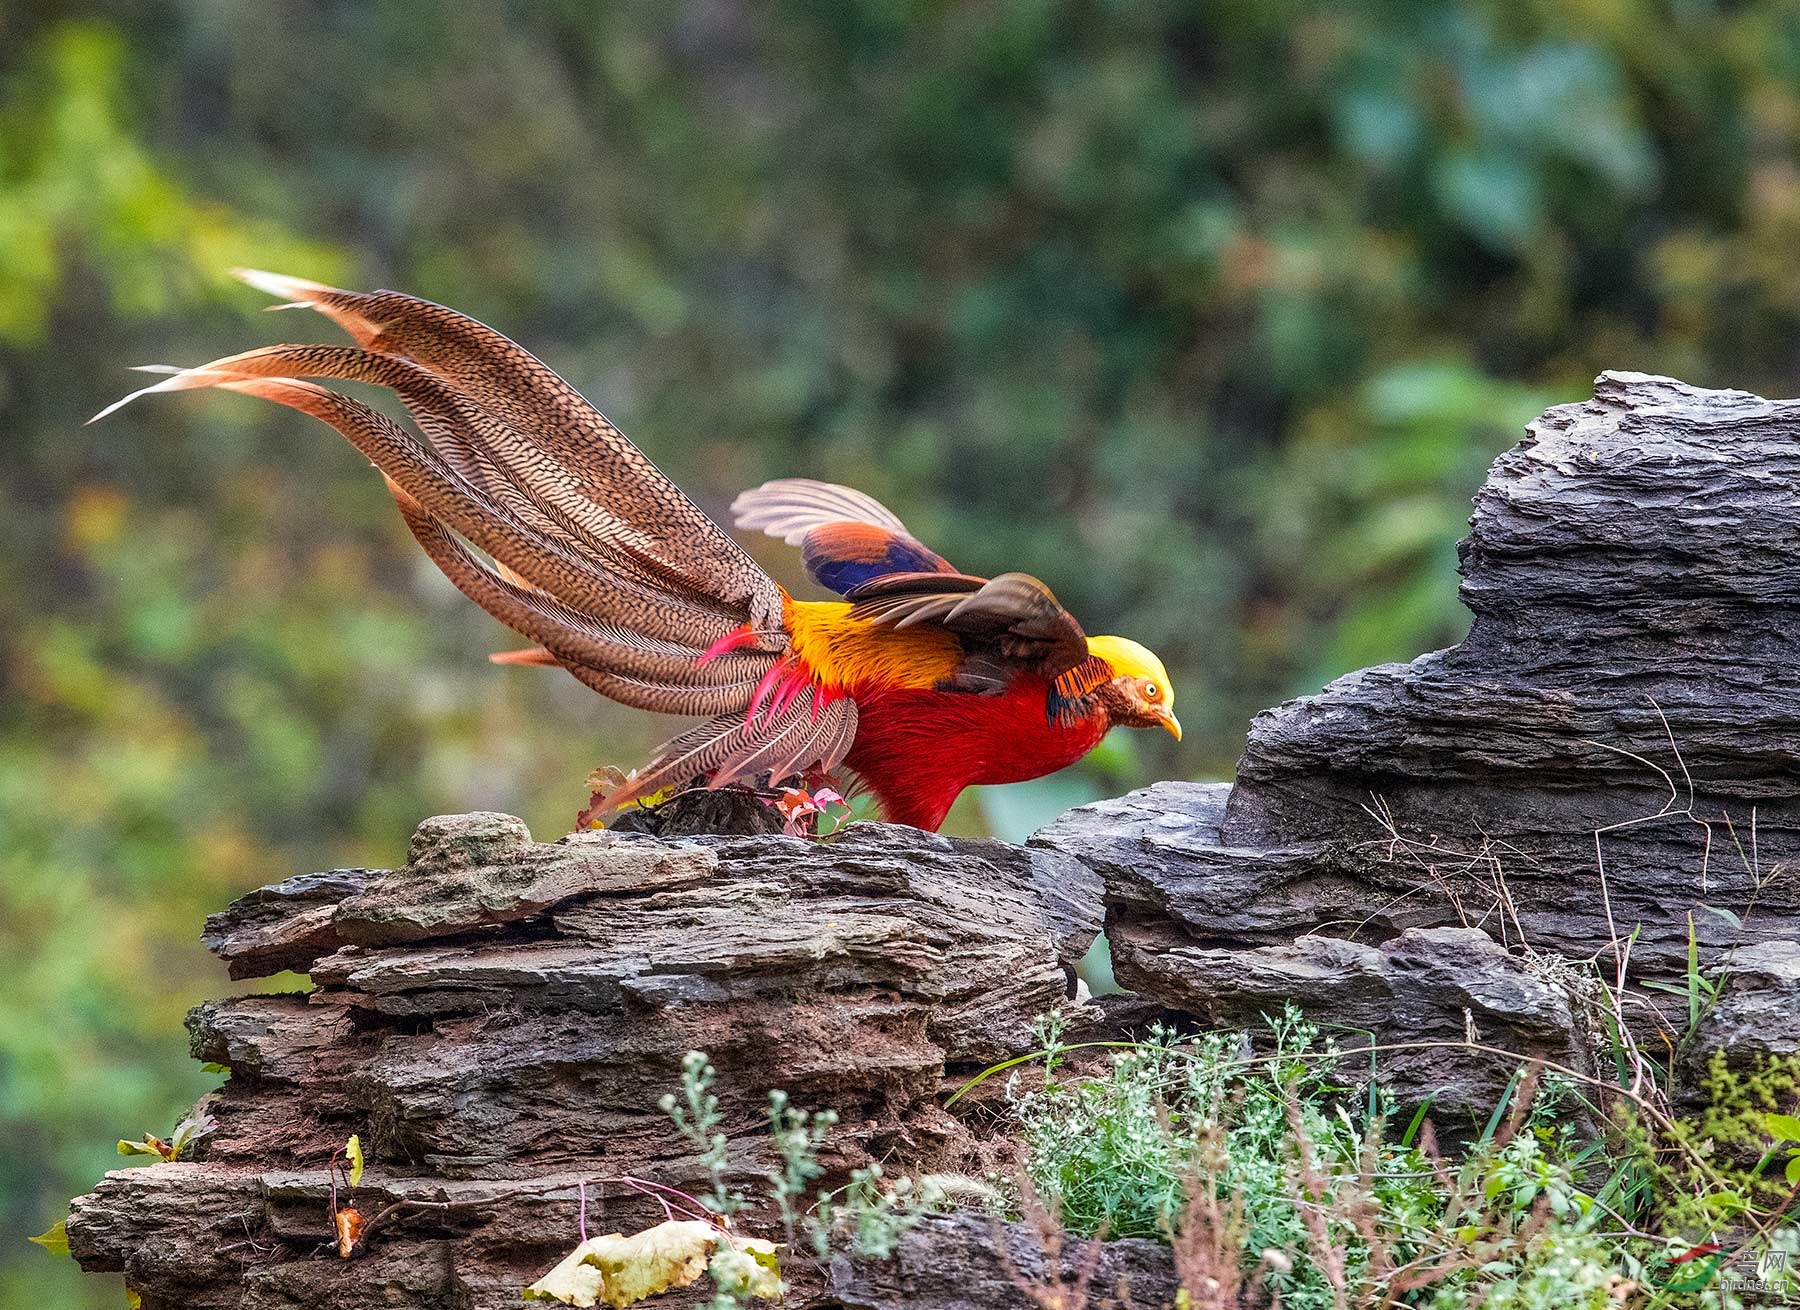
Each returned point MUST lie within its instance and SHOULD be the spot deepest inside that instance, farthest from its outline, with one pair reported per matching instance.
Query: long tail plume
(549, 518)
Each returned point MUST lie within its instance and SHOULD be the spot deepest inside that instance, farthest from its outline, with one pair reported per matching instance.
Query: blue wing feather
(846, 538)
(843, 556)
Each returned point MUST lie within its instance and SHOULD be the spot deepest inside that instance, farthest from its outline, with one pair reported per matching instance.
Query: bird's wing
(1007, 623)
(581, 543)
(846, 538)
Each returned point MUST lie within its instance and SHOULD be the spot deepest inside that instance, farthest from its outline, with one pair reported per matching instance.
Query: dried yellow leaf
(747, 1267)
(54, 1239)
(354, 1153)
(616, 1270)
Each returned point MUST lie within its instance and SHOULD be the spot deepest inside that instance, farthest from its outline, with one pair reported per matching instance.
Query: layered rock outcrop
(1415, 856)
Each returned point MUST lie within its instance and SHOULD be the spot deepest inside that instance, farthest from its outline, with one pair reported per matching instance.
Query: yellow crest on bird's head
(1130, 660)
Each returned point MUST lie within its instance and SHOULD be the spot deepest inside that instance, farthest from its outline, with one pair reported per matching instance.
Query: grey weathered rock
(958, 1262)
(499, 1017)
(1427, 986)
(469, 871)
(1634, 573)
(286, 926)
(235, 1235)
(1759, 1011)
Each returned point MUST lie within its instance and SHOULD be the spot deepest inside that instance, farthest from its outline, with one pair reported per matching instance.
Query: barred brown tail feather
(589, 551)
(592, 586)
(647, 674)
(519, 389)
(503, 464)
(727, 749)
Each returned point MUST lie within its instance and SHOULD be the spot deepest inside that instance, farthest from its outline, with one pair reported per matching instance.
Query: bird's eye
(1152, 691)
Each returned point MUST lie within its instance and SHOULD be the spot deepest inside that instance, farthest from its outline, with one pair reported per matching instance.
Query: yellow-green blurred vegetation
(1211, 314)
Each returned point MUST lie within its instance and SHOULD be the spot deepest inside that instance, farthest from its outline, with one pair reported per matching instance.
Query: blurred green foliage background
(1211, 314)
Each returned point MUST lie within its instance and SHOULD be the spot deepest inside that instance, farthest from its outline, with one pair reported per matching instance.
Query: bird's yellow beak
(1170, 723)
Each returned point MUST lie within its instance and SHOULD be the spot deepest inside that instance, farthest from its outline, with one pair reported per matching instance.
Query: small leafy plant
(1276, 1186)
(177, 1145)
(1785, 1130)
(810, 811)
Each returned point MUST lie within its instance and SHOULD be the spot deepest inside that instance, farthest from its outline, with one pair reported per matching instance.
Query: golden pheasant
(922, 681)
